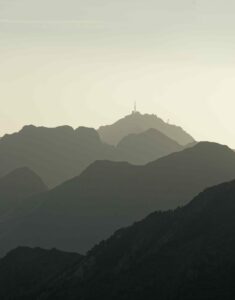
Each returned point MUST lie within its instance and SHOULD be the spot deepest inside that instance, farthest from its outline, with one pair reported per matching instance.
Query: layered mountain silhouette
(16, 187)
(26, 270)
(59, 154)
(110, 195)
(137, 123)
(146, 146)
(185, 254)
(55, 154)
(182, 254)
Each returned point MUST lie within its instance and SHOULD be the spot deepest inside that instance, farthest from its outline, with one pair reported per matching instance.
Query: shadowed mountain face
(109, 195)
(56, 154)
(146, 146)
(186, 254)
(137, 123)
(17, 186)
(25, 270)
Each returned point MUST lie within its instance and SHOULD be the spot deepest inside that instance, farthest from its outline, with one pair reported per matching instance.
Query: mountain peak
(88, 133)
(21, 175)
(205, 145)
(151, 133)
(137, 123)
(17, 186)
(141, 148)
(202, 153)
(101, 168)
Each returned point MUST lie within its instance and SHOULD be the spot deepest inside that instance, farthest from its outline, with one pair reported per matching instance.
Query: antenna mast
(135, 109)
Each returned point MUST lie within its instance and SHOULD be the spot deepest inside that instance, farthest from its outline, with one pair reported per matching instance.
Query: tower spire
(135, 108)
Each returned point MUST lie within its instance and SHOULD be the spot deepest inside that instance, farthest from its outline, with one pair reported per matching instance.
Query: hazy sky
(86, 62)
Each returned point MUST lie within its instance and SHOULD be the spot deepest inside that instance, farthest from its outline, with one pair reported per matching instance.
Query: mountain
(146, 146)
(109, 195)
(137, 123)
(18, 185)
(59, 154)
(55, 154)
(25, 270)
(182, 254)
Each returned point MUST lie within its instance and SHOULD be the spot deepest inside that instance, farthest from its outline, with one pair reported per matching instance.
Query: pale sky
(86, 62)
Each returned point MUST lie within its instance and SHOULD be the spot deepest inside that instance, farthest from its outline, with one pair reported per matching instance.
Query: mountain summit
(58, 154)
(146, 146)
(137, 123)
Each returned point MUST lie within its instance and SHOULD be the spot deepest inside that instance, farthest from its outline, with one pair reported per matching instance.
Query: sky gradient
(86, 62)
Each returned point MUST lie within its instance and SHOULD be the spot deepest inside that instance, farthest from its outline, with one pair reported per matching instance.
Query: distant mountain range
(55, 154)
(185, 254)
(138, 123)
(108, 195)
(58, 154)
(100, 181)
(147, 146)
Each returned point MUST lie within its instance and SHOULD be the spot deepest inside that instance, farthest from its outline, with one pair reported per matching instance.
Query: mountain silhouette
(59, 154)
(56, 154)
(137, 123)
(185, 254)
(25, 270)
(17, 186)
(109, 195)
(146, 146)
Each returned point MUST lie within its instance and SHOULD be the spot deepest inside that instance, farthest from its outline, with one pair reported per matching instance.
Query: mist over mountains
(139, 174)
(55, 154)
(58, 154)
(141, 148)
(108, 195)
(137, 123)
(141, 204)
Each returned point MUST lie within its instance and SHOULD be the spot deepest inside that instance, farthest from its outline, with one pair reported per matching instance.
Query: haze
(86, 62)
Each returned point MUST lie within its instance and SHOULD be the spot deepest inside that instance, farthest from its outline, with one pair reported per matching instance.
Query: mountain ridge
(185, 254)
(141, 148)
(109, 195)
(60, 153)
(137, 123)
(181, 254)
